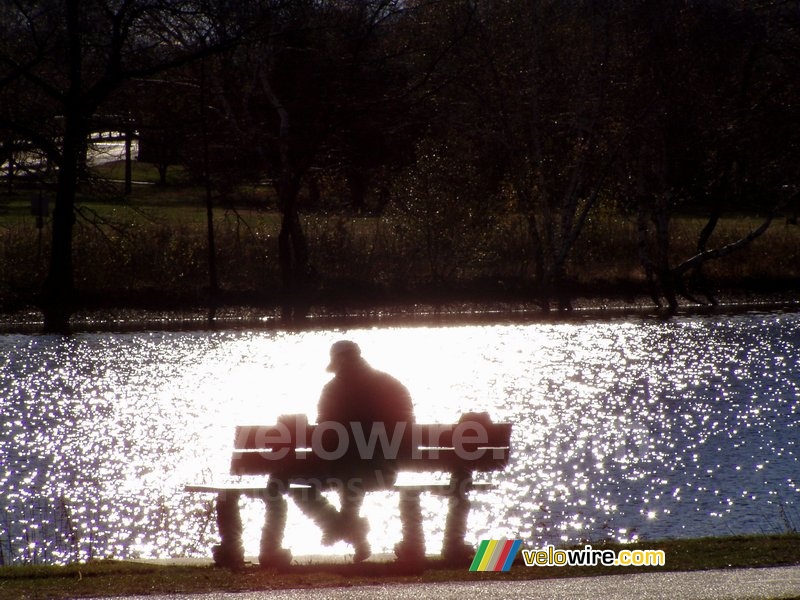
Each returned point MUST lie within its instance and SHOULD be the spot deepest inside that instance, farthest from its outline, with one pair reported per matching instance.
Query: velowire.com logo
(498, 555)
(495, 555)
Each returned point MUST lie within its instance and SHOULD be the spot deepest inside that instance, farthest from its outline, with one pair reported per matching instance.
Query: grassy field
(153, 244)
(129, 578)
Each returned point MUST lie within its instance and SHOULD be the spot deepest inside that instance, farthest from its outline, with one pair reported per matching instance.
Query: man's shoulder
(387, 380)
(331, 391)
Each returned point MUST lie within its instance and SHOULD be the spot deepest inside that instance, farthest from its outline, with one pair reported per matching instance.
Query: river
(623, 429)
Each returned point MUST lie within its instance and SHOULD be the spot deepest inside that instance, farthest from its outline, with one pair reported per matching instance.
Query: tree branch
(707, 255)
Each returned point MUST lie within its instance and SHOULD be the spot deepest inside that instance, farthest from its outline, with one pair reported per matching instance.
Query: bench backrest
(293, 448)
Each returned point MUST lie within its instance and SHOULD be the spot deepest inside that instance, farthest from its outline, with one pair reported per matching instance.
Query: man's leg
(317, 508)
(272, 554)
(344, 525)
(355, 528)
(352, 500)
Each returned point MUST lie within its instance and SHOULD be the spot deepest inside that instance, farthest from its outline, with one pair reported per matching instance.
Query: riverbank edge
(127, 578)
(410, 311)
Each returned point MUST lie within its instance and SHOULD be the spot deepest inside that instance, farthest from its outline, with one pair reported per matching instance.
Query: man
(358, 397)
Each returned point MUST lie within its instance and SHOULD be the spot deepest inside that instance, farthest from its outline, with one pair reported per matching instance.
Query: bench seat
(257, 490)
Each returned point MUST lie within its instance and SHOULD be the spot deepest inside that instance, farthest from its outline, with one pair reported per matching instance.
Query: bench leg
(271, 553)
(412, 548)
(455, 549)
(229, 552)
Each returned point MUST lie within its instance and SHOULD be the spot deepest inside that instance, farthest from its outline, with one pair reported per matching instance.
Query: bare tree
(312, 76)
(715, 134)
(63, 60)
(547, 97)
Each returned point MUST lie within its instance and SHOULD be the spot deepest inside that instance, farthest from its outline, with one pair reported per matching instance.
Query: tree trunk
(644, 251)
(213, 281)
(58, 296)
(698, 276)
(664, 273)
(292, 255)
(128, 161)
(540, 274)
(358, 189)
(8, 143)
(292, 247)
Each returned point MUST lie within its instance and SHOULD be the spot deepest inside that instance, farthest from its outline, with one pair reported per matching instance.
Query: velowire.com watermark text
(332, 440)
(591, 557)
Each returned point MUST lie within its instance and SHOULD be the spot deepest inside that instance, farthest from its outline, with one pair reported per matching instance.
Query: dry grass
(154, 245)
(609, 250)
(110, 578)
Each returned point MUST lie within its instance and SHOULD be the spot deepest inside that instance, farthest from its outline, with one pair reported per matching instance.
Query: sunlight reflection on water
(622, 430)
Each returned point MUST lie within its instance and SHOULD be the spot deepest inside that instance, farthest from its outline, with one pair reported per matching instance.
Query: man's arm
(398, 406)
(326, 410)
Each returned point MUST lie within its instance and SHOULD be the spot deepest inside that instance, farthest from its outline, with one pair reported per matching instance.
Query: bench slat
(288, 464)
(260, 437)
(442, 488)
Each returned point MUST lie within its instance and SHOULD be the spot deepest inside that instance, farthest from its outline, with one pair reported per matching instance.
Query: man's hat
(341, 350)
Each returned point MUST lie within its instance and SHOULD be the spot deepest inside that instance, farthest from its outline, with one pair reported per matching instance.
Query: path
(728, 584)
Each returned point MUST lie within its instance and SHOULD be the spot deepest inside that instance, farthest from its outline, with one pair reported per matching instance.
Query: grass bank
(118, 578)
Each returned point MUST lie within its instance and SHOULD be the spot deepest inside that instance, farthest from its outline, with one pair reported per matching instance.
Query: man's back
(365, 395)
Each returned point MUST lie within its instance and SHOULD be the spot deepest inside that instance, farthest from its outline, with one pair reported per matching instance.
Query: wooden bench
(295, 455)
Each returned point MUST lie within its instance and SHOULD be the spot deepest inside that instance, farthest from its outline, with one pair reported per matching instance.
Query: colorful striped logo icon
(495, 555)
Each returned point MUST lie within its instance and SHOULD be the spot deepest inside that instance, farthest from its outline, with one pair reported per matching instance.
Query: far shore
(405, 312)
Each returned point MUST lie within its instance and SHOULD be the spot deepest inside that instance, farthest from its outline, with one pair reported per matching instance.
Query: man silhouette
(359, 398)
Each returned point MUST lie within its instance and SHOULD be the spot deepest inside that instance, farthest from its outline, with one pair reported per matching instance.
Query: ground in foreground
(110, 578)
